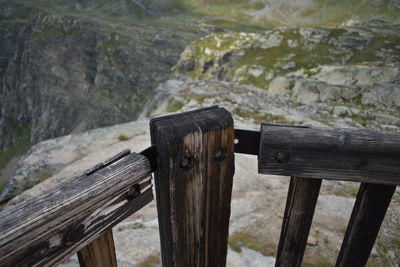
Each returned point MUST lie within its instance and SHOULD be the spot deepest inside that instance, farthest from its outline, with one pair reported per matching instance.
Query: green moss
(200, 97)
(240, 239)
(21, 146)
(123, 137)
(363, 120)
(370, 54)
(174, 106)
(112, 46)
(348, 191)
(2, 184)
(151, 261)
(42, 173)
(318, 263)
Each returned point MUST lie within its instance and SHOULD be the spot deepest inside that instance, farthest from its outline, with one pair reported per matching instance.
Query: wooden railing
(193, 159)
(76, 216)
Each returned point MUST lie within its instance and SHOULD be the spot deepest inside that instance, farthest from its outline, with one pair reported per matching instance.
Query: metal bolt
(341, 139)
(282, 156)
(186, 164)
(219, 155)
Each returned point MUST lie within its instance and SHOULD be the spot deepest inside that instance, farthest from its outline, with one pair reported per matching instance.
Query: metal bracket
(247, 142)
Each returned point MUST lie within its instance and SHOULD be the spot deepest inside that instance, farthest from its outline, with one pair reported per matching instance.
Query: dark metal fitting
(282, 156)
(186, 163)
(219, 155)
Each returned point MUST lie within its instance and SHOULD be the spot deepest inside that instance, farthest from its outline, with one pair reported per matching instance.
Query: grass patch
(151, 261)
(174, 105)
(198, 97)
(2, 184)
(259, 117)
(123, 137)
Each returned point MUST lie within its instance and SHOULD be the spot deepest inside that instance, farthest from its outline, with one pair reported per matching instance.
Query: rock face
(63, 73)
(350, 73)
(69, 66)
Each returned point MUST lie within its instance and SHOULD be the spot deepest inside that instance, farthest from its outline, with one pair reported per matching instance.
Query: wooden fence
(193, 162)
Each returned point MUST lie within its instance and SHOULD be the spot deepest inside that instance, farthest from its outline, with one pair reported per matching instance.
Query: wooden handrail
(53, 226)
(366, 156)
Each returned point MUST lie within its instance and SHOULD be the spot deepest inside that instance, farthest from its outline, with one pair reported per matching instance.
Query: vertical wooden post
(193, 185)
(99, 253)
(366, 219)
(300, 206)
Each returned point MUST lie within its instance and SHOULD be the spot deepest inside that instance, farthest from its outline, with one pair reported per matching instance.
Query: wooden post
(194, 184)
(99, 253)
(300, 206)
(366, 219)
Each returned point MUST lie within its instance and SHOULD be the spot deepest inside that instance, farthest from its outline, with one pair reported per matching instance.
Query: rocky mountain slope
(350, 73)
(67, 65)
(298, 12)
(63, 73)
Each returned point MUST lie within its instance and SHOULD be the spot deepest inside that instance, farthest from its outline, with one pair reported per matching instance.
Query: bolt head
(282, 156)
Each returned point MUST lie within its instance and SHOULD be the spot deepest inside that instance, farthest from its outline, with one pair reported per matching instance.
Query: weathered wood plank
(366, 219)
(99, 253)
(53, 226)
(194, 184)
(343, 154)
(300, 206)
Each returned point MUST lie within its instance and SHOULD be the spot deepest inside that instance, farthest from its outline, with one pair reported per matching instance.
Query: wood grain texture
(343, 154)
(47, 229)
(368, 213)
(193, 185)
(99, 253)
(300, 206)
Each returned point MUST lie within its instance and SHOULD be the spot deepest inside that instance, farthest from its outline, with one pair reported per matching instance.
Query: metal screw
(282, 156)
